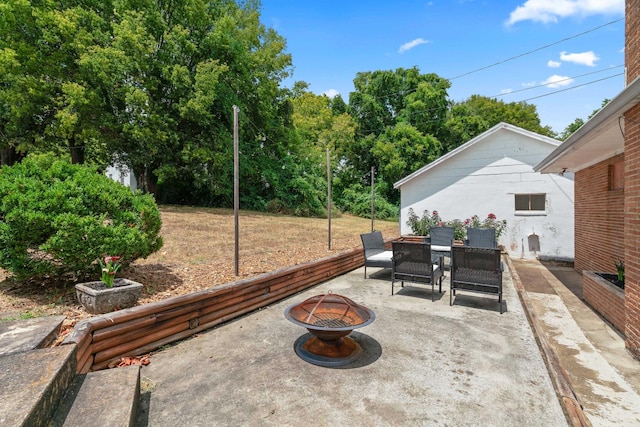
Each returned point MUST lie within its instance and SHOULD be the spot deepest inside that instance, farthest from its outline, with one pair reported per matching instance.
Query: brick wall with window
(599, 219)
(632, 183)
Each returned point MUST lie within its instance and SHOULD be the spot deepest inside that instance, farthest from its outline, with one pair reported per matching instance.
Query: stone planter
(97, 298)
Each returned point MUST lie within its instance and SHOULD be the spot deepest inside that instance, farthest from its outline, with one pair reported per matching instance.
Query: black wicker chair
(375, 253)
(441, 240)
(481, 238)
(476, 270)
(412, 263)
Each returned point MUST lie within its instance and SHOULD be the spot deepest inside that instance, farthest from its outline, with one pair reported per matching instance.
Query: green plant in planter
(110, 267)
(620, 270)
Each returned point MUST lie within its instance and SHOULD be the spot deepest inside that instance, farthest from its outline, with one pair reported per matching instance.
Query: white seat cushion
(382, 256)
(441, 248)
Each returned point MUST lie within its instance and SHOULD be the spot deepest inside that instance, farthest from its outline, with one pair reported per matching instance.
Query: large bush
(357, 200)
(57, 218)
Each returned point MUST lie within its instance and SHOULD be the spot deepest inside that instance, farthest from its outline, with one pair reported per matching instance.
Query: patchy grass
(199, 253)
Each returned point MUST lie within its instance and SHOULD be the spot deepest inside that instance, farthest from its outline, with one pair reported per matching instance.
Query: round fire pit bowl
(329, 318)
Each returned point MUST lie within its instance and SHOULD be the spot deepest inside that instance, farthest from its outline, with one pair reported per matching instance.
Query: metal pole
(329, 196)
(373, 170)
(236, 187)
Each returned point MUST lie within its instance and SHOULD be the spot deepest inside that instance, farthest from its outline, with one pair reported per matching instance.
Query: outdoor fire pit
(329, 318)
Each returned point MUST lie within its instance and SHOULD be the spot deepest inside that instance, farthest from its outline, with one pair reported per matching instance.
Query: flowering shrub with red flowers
(489, 222)
(420, 225)
(110, 267)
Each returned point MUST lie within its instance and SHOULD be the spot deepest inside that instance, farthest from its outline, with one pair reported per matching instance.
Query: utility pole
(236, 187)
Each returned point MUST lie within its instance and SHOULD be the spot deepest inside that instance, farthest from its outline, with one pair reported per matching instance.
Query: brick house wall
(632, 39)
(632, 184)
(599, 219)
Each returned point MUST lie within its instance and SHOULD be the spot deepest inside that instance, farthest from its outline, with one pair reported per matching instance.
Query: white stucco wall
(122, 175)
(483, 178)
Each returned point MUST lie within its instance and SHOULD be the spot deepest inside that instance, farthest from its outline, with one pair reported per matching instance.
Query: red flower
(491, 216)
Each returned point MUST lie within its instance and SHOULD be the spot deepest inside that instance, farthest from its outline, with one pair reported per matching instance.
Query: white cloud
(413, 43)
(557, 81)
(547, 11)
(529, 84)
(585, 58)
(505, 91)
(331, 93)
(554, 64)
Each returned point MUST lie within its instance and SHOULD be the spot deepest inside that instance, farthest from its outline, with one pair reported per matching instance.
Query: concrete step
(108, 398)
(39, 386)
(33, 383)
(22, 335)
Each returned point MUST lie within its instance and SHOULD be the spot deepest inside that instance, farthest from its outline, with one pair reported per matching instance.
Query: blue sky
(562, 46)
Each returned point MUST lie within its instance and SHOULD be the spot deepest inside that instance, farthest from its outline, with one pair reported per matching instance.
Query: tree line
(152, 85)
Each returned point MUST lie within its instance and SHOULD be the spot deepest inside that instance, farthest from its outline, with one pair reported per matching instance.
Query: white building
(493, 173)
(123, 175)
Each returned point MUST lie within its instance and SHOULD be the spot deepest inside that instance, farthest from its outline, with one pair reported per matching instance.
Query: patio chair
(412, 263)
(481, 238)
(476, 270)
(375, 253)
(441, 240)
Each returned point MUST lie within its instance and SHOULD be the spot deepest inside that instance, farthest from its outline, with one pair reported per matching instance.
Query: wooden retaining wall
(104, 339)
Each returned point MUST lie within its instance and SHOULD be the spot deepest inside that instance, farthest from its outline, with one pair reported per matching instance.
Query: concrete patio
(424, 363)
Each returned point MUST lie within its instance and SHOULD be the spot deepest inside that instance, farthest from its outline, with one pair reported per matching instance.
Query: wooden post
(236, 188)
(373, 171)
(329, 196)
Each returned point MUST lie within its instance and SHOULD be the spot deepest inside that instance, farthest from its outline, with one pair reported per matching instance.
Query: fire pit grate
(332, 322)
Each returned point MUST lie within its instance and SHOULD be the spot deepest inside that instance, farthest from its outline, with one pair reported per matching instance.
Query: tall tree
(401, 111)
(477, 114)
(383, 98)
(319, 126)
(149, 84)
(46, 103)
(401, 150)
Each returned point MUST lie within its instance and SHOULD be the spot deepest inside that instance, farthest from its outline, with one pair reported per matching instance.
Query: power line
(573, 87)
(408, 91)
(559, 81)
(535, 50)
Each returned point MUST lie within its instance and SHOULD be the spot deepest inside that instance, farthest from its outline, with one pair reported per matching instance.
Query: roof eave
(604, 121)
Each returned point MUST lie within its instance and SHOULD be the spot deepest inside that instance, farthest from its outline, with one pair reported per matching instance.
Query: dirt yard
(198, 253)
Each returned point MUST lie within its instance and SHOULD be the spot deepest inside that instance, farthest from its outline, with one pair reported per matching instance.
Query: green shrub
(57, 219)
(459, 229)
(357, 200)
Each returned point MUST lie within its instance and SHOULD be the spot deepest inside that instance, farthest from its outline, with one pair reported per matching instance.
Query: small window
(616, 176)
(531, 202)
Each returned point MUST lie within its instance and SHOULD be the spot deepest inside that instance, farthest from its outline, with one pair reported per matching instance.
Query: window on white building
(531, 203)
